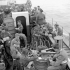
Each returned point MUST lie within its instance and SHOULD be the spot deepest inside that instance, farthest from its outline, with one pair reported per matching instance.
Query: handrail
(66, 45)
(64, 29)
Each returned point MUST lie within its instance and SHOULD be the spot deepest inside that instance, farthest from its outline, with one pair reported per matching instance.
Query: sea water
(61, 18)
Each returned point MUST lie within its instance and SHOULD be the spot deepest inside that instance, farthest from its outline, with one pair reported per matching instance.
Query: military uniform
(58, 30)
(20, 27)
(57, 64)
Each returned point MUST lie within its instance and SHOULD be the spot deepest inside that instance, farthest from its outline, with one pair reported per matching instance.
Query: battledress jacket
(57, 64)
(24, 59)
(60, 58)
(20, 27)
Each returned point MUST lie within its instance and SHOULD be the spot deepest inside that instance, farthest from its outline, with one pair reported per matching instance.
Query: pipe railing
(63, 30)
(67, 37)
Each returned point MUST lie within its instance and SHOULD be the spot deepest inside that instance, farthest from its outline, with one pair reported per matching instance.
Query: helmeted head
(56, 26)
(19, 22)
(38, 7)
(35, 8)
(7, 11)
(17, 35)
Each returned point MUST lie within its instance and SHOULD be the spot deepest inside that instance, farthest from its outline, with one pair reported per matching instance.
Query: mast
(52, 23)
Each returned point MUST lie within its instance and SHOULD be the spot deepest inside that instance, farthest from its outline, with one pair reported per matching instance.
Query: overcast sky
(62, 5)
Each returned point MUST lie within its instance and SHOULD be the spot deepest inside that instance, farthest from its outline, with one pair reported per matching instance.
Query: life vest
(25, 39)
(15, 41)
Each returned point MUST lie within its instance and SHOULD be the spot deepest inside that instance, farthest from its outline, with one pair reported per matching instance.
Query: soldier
(58, 30)
(19, 26)
(20, 41)
(22, 57)
(39, 9)
(7, 55)
(15, 41)
(56, 62)
(9, 22)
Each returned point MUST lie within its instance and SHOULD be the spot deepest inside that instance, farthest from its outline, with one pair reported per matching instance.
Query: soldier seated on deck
(16, 51)
(16, 55)
(57, 60)
(19, 40)
(23, 58)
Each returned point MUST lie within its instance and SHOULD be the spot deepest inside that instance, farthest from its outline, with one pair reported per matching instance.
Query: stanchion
(69, 39)
(62, 36)
(59, 40)
(62, 31)
(61, 44)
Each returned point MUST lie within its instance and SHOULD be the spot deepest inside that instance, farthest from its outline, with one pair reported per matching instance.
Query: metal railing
(67, 36)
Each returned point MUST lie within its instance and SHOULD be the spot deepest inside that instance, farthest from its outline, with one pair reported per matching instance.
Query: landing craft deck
(43, 43)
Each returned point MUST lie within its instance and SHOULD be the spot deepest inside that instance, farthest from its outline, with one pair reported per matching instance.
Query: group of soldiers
(16, 49)
(44, 28)
(41, 27)
(15, 45)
